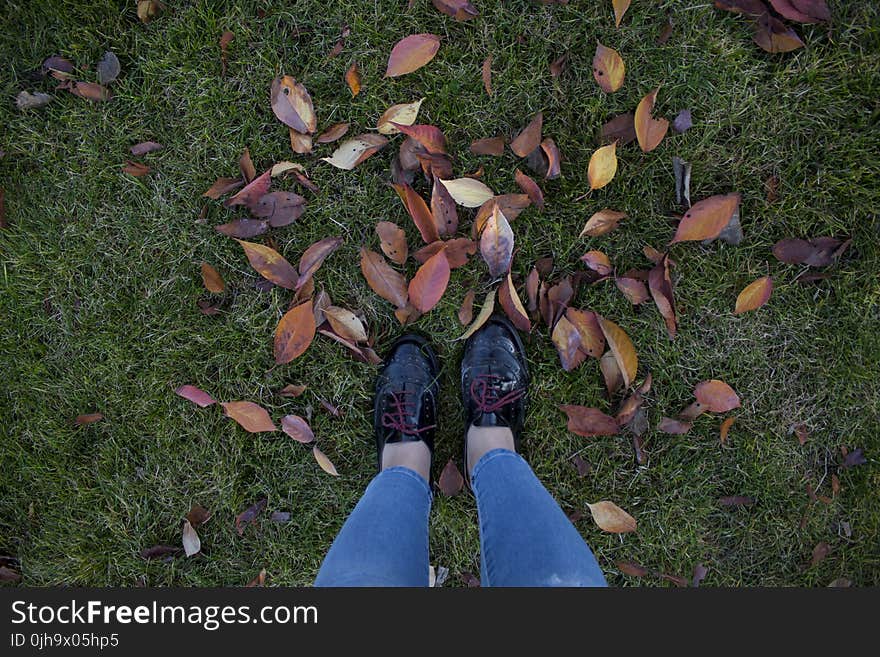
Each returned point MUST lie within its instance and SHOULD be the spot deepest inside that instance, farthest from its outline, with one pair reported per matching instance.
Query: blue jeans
(525, 538)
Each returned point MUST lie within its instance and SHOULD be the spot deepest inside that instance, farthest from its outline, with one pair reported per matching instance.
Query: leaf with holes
(292, 104)
(707, 218)
(250, 416)
(392, 240)
(270, 264)
(611, 518)
(754, 295)
(608, 68)
(622, 348)
(411, 53)
(196, 395)
(649, 131)
(496, 244)
(589, 422)
(443, 209)
(428, 285)
(384, 281)
(297, 428)
(294, 333)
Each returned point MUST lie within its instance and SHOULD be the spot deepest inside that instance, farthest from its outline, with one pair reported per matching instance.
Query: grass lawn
(99, 278)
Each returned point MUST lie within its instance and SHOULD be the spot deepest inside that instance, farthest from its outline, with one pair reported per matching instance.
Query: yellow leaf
(402, 113)
(611, 518)
(649, 131)
(620, 7)
(468, 192)
(603, 166)
(754, 295)
(622, 348)
(608, 68)
(325, 463)
(483, 317)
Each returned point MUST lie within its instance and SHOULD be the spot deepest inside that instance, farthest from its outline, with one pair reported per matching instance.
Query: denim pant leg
(384, 542)
(525, 538)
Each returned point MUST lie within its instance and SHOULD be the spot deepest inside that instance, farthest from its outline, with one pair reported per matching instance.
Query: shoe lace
(488, 393)
(398, 419)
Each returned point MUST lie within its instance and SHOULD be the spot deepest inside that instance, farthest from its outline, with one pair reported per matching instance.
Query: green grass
(100, 277)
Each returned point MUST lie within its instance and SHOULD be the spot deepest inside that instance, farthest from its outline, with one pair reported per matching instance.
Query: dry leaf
(292, 390)
(608, 68)
(489, 146)
(484, 315)
(716, 396)
(496, 244)
(314, 256)
(392, 240)
(598, 262)
(554, 161)
(530, 187)
(428, 136)
(468, 192)
(754, 295)
(135, 169)
(346, 323)
(107, 68)
(225, 39)
(252, 192)
(621, 129)
(567, 340)
(611, 372)
(602, 222)
(802, 432)
(297, 428)
(802, 11)
(325, 463)
(603, 166)
(87, 90)
(212, 279)
(487, 74)
(411, 53)
(620, 7)
(649, 131)
(725, 428)
(294, 333)
(250, 416)
(88, 418)
(443, 209)
(191, 542)
(270, 264)
(402, 114)
(632, 568)
(457, 251)
(451, 482)
(675, 427)
(774, 36)
(592, 340)
(633, 289)
(622, 348)
(611, 518)
(707, 218)
(460, 10)
(26, 100)
(558, 65)
(243, 228)
(249, 515)
(530, 138)
(195, 395)
(421, 215)
(353, 79)
(384, 281)
(428, 285)
(331, 134)
(223, 186)
(817, 252)
(246, 166)
(198, 515)
(660, 284)
(512, 306)
(589, 422)
(148, 9)
(466, 312)
(353, 152)
(279, 208)
(292, 104)
(821, 551)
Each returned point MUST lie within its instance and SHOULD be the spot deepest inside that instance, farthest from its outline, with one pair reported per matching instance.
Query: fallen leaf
(558, 65)
(725, 428)
(802, 11)
(270, 264)
(582, 467)
(611, 518)
(620, 7)
(649, 131)
(384, 281)
(353, 79)
(421, 215)
(700, 572)
(108, 68)
(633, 569)
(259, 580)
(252, 417)
(280, 516)
(512, 306)
(243, 228)
(325, 463)
(251, 194)
(602, 222)
(333, 133)
(402, 114)
(530, 137)
(747, 7)
(487, 74)
(589, 422)
(292, 104)
(608, 68)
(854, 458)
(483, 316)
(835, 485)
(551, 153)
(716, 396)
(817, 252)
(460, 10)
(346, 323)
(223, 186)
(802, 432)
(666, 32)
(26, 100)
(622, 348)
(297, 428)
(279, 208)
(682, 171)
(195, 395)
(510, 205)
(314, 256)
(496, 244)
(87, 90)
(354, 151)
(392, 240)
(707, 218)
(774, 36)
(754, 295)
(294, 333)
(557, 299)
(592, 340)
(676, 427)
(443, 209)
(88, 418)
(821, 551)
(300, 142)
(466, 311)
(135, 169)
(530, 187)
(225, 39)
(567, 340)
(249, 515)
(633, 289)
(191, 542)
(165, 552)
(603, 166)
(212, 280)
(621, 129)
(58, 67)
(457, 251)
(682, 122)
(660, 285)
(451, 482)
(611, 373)
(428, 285)
(411, 53)
(198, 515)
(489, 146)
(468, 192)
(598, 262)
(145, 147)
(147, 10)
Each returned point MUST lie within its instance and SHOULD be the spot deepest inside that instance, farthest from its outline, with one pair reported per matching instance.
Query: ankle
(481, 440)
(413, 455)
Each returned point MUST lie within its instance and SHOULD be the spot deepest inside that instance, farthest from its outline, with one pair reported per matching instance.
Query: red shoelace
(487, 393)
(399, 416)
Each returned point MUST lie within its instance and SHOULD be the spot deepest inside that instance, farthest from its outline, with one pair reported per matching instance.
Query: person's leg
(525, 538)
(384, 542)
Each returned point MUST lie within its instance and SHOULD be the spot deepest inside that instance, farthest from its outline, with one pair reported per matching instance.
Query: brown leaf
(551, 152)
(602, 222)
(598, 262)
(460, 10)
(622, 348)
(620, 7)
(443, 210)
(279, 208)
(246, 166)
(400, 114)
(165, 552)
(252, 417)
(633, 569)
(621, 128)
(212, 279)
(325, 463)
(558, 298)
(148, 9)
(421, 215)
(496, 244)
(754, 295)
(802, 432)
(88, 418)
(198, 515)
(592, 340)
(292, 104)
(333, 133)
(300, 142)
(243, 228)
(384, 281)
(260, 579)
(530, 187)
(582, 467)
(292, 390)
(392, 240)
(666, 32)
(707, 218)
(533, 283)
(451, 482)
(354, 151)
(466, 312)
(252, 192)
(747, 7)
(411, 53)
(87, 90)
(821, 551)
(195, 395)
(294, 333)
(660, 284)
(608, 68)
(649, 131)
(297, 428)
(716, 396)
(634, 290)
(487, 74)
(314, 256)
(558, 66)
(225, 39)
(603, 166)
(512, 306)
(818, 252)
(457, 251)
(611, 518)
(353, 79)
(428, 285)
(774, 36)
(610, 372)
(249, 515)
(145, 147)
(589, 422)
(802, 11)
(135, 169)
(725, 428)
(489, 146)
(270, 264)
(483, 316)
(530, 137)
(567, 340)
(223, 186)
(676, 427)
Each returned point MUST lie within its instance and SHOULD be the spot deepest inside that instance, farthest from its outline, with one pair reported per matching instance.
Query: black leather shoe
(405, 405)
(495, 379)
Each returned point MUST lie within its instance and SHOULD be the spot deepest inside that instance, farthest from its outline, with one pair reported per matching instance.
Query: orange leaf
(384, 281)
(622, 348)
(716, 396)
(530, 187)
(223, 186)
(270, 264)
(135, 169)
(428, 285)
(314, 256)
(589, 422)
(300, 142)
(460, 10)
(325, 463)
(212, 279)
(353, 79)
(246, 166)
(604, 221)
(487, 74)
(611, 518)
(88, 418)
(551, 152)
(608, 68)
(512, 306)
(392, 240)
(725, 428)
(567, 340)
(649, 131)
(334, 132)
(429, 136)
(496, 244)
(292, 104)
(488, 146)
(706, 219)
(457, 251)
(294, 333)
(603, 166)
(252, 417)
(530, 138)
(421, 215)
(620, 7)
(297, 428)
(754, 295)
(587, 324)
(411, 53)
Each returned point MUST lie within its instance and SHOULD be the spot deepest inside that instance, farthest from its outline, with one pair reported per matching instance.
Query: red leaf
(252, 192)
(451, 482)
(429, 136)
(196, 395)
(411, 53)
(428, 285)
(716, 396)
(530, 187)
